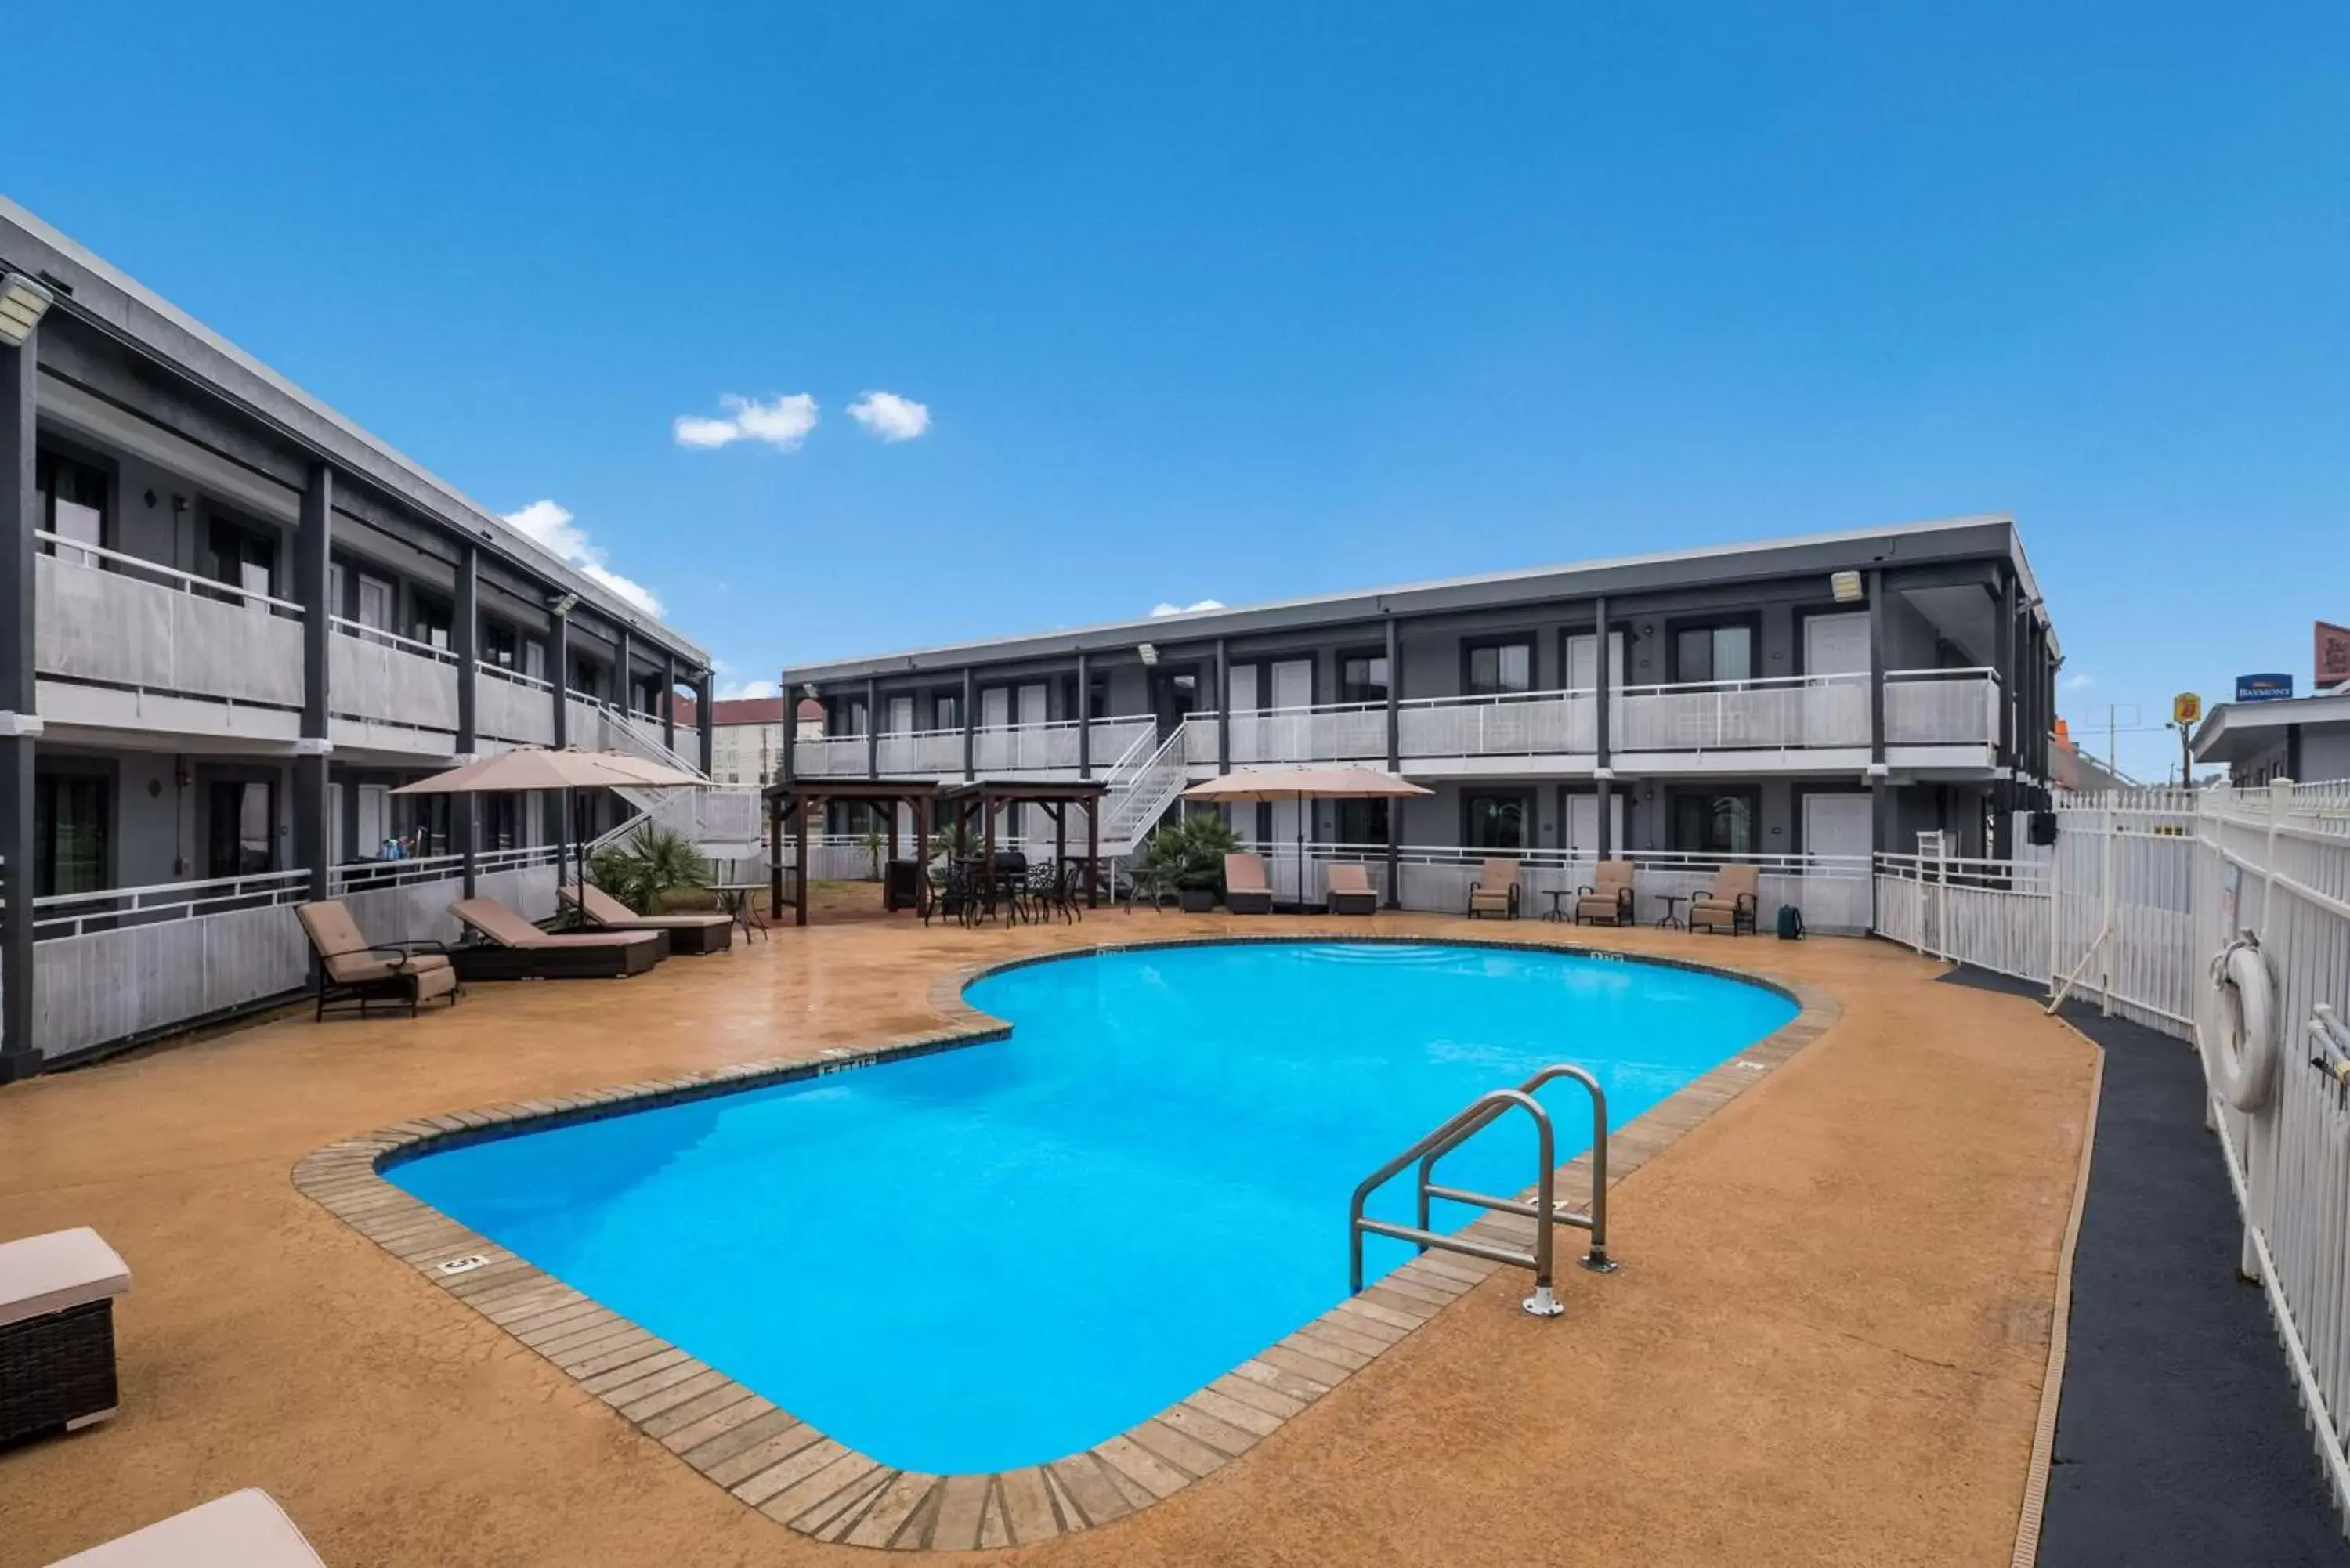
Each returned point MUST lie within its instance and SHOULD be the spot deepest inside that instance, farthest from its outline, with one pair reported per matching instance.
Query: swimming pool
(994, 1256)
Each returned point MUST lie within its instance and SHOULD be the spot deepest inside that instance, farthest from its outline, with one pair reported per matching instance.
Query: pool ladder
(1480, 1114)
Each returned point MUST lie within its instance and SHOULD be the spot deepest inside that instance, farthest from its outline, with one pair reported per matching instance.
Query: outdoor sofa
(56, 1331)
(355, 973)
(688, 933)
(513, 948)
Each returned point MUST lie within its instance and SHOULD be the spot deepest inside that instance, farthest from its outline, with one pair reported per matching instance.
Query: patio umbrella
(1302, 783)
(527, 768)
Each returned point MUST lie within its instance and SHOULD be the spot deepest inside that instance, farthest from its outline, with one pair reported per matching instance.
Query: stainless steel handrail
(1480, 1112)
(1594, 1218)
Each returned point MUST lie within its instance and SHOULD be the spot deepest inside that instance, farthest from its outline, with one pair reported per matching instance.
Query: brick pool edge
(795, 1475)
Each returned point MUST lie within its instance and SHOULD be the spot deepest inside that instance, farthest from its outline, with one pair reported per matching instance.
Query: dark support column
(1224, 705)
(970, 701)
(1395, 761)
(800, 862)
(465, 809)
(311, 538)
(624, 659)
(558, 671)
(19, 724)
(1880, 792)
(872, 727)
(922, 894)
(1093, 852)
(668, 700)
(2010, 701)
(1084, 717)
(705, 716)
(1603, 763)
(1060, 811)
(775, 856)
(791, 733)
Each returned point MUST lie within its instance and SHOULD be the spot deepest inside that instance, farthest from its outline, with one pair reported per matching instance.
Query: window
(1362, 678)
(423, 821)
(844, 716)
(244, 828)
(1710, 653)
(1362, 822)
(1717, 821)
(430, 620)
(72, 503)
(946, 713)
(1494, 820)
(1098, 697)
(69, 821)
(534, 659)
(243, 557)
(501, 820)
(1497, 669)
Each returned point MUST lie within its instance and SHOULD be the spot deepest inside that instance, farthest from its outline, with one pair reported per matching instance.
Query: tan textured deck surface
(1826, 1345)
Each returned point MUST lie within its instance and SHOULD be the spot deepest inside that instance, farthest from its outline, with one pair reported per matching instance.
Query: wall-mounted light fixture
(563, 605)
(23, 303)
(1149, 652)
(1845, 585)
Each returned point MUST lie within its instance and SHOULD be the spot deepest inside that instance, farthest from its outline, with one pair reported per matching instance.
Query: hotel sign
(2331, 657)
(2263, 687)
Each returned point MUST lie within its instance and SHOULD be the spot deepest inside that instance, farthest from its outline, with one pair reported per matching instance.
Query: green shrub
(1189, 851)
(642, 869)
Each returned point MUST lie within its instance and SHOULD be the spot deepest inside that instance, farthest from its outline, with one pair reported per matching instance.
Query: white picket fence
(2140, 894)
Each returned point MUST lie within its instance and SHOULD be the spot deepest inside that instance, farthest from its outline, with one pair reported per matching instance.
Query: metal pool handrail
(1595, 1220)
(1485, 1109)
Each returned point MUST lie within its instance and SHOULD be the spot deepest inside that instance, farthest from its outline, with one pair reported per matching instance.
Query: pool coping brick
(794, 1474)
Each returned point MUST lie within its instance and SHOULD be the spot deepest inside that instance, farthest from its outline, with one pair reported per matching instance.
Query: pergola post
(922, 854)
(778, 804)
(1093, 852)
(800, 871)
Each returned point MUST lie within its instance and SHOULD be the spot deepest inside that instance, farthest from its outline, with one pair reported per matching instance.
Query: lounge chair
(1608, 901)
(355, 972)
(688, 933)
(1246, 892)
(513, 949)
(1495, 891)
(1349, 890)
(244, 1530)
(56, 1331)
(1730, 904)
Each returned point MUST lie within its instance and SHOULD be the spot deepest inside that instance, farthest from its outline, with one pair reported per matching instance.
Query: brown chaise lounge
(1495, 891)
(244, 1530)
(56, 1331)
(1728, 905)
(1608, 900)
(689, 933)
(355, 972)
(513, 949)
(1246, 892)
(1350, 891)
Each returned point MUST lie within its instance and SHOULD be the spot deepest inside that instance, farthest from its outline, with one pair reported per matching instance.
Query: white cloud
(2080, 682)
(889, 416)
(739, 691)
(553, 526)
(1163, 607)
(783, 422)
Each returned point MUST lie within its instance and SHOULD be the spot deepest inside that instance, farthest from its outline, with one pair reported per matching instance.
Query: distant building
(2305, 739)
(747, 740)
(2075, 770)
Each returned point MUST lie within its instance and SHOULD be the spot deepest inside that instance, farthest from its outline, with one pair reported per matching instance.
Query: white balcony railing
(1522, 725)
(381, 678)
(511, 706)
(1942, 708)
(1786, 713)
(1002, 749)
(104, 616)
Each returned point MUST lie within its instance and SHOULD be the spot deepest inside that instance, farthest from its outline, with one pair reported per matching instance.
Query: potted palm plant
(1189, 855)
(644, 870)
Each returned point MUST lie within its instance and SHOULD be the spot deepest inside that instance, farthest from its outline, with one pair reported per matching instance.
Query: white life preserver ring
(2248, 1042)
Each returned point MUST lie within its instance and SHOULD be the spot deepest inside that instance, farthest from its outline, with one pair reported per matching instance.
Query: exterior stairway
(722, 821)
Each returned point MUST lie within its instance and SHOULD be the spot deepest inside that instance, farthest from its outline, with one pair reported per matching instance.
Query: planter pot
(1197, 900)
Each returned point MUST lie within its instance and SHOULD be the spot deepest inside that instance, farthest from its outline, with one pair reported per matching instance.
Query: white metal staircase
(1143, 782)
(722, 821)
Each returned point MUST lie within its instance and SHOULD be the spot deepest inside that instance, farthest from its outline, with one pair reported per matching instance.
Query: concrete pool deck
(1827, 1342)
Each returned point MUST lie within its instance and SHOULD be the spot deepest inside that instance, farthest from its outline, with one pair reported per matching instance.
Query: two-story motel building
(1803, 703)
(233, 622)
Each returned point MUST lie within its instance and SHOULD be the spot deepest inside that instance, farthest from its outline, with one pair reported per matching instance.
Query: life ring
(2247, 1044)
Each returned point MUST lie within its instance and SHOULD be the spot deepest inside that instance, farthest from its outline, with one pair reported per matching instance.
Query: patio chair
(1608, 901)
(244, 1530)
(1495, 891)
(355, 973)
(688, 933)
(513, 948)
(1730, 904)
(56, 1331)
(1347, 887)
(1246, 891)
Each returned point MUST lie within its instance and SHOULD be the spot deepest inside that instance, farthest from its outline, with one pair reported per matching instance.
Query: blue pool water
(997, 1255)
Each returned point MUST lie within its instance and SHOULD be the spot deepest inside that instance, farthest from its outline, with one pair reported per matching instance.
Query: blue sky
(1243, 302)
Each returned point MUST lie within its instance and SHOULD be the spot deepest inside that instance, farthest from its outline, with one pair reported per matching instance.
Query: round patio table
(1671, 919)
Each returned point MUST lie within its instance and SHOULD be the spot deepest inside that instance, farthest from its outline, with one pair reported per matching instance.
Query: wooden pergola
(798, 799)
(990, 796)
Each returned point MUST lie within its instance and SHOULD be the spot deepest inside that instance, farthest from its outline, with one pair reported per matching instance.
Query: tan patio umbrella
(528, 768)
(1304, 782)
